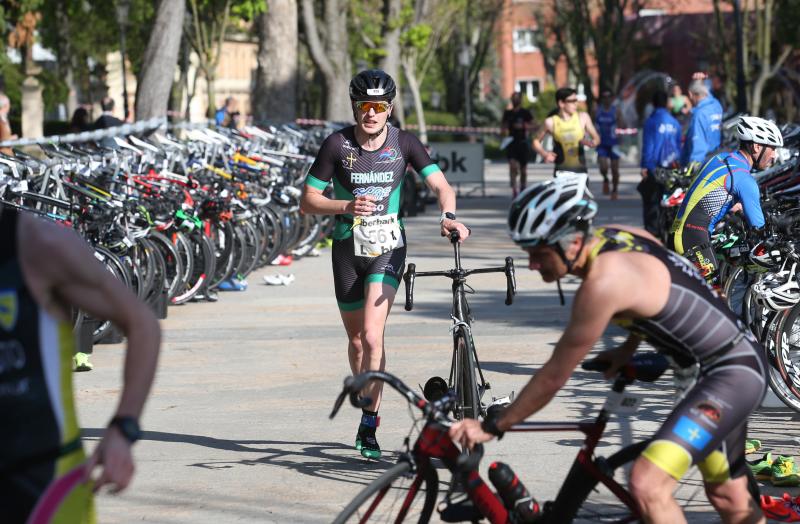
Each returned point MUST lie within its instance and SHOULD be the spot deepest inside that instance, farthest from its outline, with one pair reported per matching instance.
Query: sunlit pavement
(237, 427)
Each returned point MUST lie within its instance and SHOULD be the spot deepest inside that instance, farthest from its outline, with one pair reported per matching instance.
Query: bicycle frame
(434, 442)
(461, 315)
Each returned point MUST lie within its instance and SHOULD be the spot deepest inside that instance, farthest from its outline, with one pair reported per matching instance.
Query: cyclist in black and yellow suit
(45, 269)
(568, 127)
(629, 278)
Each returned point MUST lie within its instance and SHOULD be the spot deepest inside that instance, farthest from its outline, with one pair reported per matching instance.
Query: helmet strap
(569, 263)
(560, 291)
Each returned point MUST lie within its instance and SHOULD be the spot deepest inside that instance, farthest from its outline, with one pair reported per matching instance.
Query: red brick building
(674, 26)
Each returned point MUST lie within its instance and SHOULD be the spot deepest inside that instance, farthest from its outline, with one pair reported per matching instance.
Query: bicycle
(409, 489)
(466, 378)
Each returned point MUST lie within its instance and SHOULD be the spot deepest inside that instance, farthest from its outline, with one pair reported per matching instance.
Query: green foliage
(366, 39)
(416, 36)
(545, 102)
(12, 80)
(54, 90)
(440, 118)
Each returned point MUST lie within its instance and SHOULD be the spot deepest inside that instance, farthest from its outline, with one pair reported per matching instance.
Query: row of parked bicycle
(759, 268)
(175, 218)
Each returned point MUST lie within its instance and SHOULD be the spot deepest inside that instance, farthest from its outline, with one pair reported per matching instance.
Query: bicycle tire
(466, 385)
(371, 499)
(787, 359)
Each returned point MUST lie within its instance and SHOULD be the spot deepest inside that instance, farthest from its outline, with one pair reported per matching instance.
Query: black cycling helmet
(372, 84)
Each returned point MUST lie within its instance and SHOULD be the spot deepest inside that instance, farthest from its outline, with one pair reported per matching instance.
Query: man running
(366, 163)
(568, 128)
(725, 180)
(630, 279)
(607, 117)
(517, 124)
(45, 270)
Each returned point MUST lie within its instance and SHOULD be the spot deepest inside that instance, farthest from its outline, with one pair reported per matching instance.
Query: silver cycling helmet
(777, 291)
(544, 213)
(759, 131)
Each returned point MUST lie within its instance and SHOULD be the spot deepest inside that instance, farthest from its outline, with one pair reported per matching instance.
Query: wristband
(489, 425)
(447, 216)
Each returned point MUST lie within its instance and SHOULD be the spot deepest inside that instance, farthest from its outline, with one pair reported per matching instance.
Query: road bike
(466, 378)
(409, 490)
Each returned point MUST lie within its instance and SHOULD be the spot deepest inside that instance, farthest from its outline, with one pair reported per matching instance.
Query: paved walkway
(237, 427)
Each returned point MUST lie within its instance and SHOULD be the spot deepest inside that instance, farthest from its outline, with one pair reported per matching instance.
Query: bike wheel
(399, 494)
(787, 359)
(466, 386)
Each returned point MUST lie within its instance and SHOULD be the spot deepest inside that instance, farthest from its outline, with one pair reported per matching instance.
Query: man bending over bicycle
(630, 279)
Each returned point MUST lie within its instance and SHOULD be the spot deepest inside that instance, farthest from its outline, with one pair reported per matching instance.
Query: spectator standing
(661, 146)
(607, 117)
(80, 121)
(226, 115)
(516, 125)
(5, 127)
(107, 119)
(704, 135)
(679, 104)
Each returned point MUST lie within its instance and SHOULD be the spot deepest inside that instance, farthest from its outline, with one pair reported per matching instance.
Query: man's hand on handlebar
(469, 433)
(455, 225)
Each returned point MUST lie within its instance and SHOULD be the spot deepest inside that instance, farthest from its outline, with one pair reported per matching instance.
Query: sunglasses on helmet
(378, 107)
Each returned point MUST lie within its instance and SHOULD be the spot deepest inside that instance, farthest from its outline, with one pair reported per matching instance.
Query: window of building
(525, 41)
(529, 88)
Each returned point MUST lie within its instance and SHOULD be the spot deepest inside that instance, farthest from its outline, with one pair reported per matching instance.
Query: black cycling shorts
(352, 273)
(708, 427)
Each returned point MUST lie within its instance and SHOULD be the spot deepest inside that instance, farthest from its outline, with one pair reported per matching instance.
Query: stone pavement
(237, 426)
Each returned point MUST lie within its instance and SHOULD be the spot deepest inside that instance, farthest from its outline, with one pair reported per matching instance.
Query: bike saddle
(646, 367)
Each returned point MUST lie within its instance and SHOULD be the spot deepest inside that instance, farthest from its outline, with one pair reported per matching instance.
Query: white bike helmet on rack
(544, 213)
(766, 258)
(758, 131)
(778, 291)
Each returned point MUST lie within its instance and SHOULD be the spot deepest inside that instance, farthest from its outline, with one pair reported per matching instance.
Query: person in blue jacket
(661, 146)
(704, 135)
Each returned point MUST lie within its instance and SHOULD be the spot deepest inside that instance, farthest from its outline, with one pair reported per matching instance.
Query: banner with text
(461, 162)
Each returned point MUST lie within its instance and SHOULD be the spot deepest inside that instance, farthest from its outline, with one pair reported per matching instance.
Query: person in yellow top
(568, 127)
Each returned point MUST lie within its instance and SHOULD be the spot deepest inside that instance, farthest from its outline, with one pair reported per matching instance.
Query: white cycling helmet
(544, 213)
(777, 291)
(766, 258)
(759, 131)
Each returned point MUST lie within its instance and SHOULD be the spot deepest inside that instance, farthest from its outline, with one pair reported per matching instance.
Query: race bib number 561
(374, 236)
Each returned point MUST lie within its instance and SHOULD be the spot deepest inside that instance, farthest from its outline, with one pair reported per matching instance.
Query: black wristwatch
(128, 426)
(489, 424)
(447, 216)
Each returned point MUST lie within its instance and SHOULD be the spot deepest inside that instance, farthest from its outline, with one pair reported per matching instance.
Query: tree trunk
(413, 86)
(210, 75)
(160, 60)
(275, 94)
(332, 58)
(391, 44)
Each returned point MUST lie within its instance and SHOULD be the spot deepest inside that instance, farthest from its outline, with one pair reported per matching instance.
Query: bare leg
(523, 177)
(513, 169)
(652, 488)
(377, 304)
(614, 177)
(603, 164)
(733, 502)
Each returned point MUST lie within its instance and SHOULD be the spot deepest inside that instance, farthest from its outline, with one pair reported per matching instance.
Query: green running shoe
(751, 445)
(784, 472)
(80, 362)
(369, 447)
(761, 468)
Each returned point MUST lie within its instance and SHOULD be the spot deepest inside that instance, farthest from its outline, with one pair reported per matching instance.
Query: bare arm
(547, 128)
(72, 275)
(591, 314)
(589, 127)
(62, 270)
(447, 202)
(315, 203)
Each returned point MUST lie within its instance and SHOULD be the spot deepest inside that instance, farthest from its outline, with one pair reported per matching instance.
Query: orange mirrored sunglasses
(378, 107)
